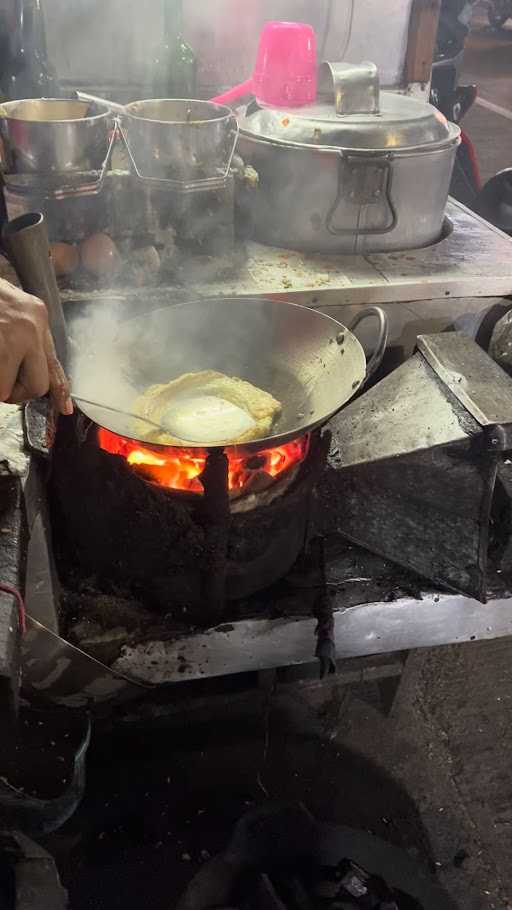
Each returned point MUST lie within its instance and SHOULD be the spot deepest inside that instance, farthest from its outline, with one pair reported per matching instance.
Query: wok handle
(382, 339)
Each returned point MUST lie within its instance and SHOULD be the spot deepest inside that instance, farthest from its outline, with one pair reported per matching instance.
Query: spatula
(112, 410)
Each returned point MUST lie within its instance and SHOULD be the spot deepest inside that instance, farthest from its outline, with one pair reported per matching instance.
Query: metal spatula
(168, 427)
(112, 410)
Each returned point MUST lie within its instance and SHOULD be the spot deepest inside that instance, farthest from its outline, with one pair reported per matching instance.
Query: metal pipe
(25, 240)
(95, 99)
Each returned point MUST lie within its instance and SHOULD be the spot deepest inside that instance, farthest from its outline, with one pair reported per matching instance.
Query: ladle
(157, 426)
(94, 99)
(113, 410)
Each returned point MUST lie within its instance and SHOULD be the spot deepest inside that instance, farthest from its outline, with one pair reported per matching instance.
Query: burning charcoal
(258, 482)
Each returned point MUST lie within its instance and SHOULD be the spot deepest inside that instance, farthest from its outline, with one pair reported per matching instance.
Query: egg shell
(65, 258)
(100, 255)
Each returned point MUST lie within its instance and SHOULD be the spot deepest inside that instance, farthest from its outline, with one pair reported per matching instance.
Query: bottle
(173, 66)
(4, 54)
(30, 74)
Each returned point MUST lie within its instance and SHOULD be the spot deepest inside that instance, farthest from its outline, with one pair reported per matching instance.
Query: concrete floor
(488, 64)
(434, 776)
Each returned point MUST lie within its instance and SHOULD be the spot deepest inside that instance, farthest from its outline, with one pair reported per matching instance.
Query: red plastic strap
(472, 158)
(7, 589)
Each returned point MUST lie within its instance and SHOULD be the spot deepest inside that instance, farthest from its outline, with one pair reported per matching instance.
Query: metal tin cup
(184, 142)
(45, 136)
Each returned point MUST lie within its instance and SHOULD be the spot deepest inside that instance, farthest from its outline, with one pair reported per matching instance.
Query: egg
(206, 407)
(207, 418)
(65, 258)
(100, 255)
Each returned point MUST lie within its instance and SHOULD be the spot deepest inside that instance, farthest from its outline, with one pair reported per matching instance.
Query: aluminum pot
(368, 173)
(180, 140)
(44, 136)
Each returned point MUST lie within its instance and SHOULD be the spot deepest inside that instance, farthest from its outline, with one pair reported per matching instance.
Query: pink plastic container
(285, 71)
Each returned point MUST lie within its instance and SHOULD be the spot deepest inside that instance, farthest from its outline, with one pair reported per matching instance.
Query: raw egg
(100, 255)
(65, 258)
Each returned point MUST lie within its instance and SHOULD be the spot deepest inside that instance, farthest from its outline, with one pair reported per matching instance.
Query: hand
(29, 366)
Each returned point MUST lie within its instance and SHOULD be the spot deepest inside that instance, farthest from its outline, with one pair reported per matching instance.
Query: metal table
(360, 630)
(473, 259)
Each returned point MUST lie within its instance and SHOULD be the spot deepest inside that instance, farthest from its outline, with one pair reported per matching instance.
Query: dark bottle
(30, 74)
(5, 52)
(173, 65)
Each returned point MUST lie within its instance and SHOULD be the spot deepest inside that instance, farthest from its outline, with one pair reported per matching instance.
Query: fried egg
(207, 407)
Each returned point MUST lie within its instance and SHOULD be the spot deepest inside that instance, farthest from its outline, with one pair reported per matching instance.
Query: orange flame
(180, 469)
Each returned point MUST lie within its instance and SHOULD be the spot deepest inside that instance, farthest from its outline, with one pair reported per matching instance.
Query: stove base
(122, 536)
(368, 629)
(377, 609)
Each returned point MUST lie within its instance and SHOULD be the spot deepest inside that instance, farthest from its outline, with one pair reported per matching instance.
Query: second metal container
(369, 173)
(48, 136)
(179, 140)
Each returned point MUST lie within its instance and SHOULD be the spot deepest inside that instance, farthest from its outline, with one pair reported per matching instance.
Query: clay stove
(185, 531)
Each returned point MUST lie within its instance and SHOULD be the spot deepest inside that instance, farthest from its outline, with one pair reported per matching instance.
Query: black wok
(310, 362)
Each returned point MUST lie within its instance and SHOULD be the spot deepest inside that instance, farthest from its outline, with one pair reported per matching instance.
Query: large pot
(366, 171)
(180, 140)
(45, 136)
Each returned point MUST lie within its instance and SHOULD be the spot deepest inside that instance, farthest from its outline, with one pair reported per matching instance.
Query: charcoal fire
(180, 469)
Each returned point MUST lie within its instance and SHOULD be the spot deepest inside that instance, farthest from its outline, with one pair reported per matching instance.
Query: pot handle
(382, 339)
(363, 181)
(180, 185)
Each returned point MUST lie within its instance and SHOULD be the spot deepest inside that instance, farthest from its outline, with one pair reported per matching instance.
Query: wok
(309, 361)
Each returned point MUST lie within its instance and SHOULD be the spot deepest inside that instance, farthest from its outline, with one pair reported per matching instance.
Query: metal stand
(216, 513)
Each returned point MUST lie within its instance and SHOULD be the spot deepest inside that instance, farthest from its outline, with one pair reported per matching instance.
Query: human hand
(29, 366)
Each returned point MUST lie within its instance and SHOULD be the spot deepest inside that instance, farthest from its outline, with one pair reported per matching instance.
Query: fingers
(29, 366)
(32, 379)
(10, 360)
(58, 381)
(23, 366)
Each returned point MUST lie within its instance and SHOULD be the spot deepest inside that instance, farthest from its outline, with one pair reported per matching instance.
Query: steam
(96, 372)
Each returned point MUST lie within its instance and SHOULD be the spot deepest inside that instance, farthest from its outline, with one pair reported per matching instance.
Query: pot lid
(351, 113)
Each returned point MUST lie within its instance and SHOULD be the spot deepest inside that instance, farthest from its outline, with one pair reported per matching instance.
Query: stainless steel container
(46, 136)
(359, 171)
(189, 143)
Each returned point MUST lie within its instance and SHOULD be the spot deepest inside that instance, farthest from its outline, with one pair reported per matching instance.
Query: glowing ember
(179, 469)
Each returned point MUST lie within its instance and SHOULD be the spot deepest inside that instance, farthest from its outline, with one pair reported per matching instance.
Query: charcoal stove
(113, 521)
(186, 529)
